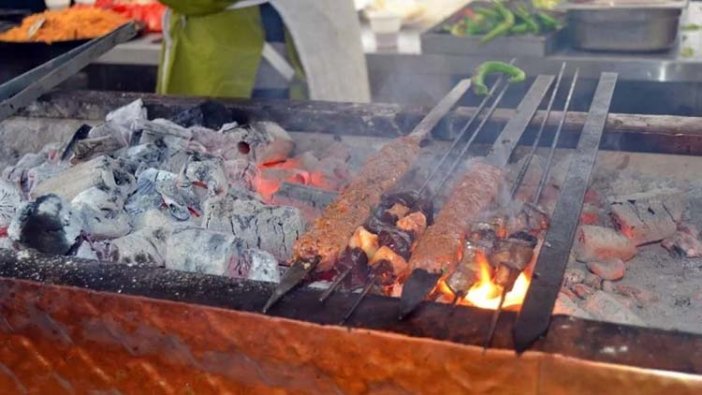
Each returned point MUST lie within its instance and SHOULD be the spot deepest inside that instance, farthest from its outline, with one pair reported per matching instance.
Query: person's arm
(198, 7)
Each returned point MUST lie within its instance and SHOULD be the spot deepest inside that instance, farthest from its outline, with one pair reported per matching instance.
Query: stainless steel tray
(629, 30)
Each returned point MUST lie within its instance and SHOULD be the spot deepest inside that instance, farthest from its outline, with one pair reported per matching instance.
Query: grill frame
(30, 278)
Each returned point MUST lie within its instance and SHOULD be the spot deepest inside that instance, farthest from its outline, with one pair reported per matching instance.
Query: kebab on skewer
(441, 247)
(321, 246)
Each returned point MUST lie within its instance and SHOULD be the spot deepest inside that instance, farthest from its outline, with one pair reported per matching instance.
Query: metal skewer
(299, 271)
(542, 182)
(461, 135)
(431, 278)
(535, 144)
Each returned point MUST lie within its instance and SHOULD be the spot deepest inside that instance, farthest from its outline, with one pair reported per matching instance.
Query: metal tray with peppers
(511, 28)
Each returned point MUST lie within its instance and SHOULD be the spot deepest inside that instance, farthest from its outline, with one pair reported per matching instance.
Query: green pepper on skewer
(503, 27)
(515, 73)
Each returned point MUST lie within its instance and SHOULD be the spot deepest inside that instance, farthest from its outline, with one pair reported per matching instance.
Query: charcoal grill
(71, 325)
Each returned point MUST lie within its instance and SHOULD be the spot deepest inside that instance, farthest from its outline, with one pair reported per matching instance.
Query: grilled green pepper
(503, 27)
(515, 73)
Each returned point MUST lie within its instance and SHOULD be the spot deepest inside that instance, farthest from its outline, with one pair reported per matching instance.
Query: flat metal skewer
(520, 178)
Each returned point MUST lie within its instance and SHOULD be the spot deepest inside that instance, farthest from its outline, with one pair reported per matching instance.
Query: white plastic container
(57, 4)
(386, 27)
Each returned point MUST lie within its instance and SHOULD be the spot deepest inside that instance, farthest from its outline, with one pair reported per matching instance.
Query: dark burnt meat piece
(398, 241)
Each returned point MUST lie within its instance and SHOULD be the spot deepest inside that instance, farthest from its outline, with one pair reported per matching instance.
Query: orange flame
(485, 294)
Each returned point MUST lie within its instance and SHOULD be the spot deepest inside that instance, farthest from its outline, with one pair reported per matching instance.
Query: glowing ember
(271, 175)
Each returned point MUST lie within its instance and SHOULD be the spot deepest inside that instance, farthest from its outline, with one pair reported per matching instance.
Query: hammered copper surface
(69, 340)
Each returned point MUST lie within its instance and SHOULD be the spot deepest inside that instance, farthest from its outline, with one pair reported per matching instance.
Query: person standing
(299, 49)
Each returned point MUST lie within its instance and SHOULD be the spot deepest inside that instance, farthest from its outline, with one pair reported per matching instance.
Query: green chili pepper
(548, 21)
(487, 12)
(503, 27)
(528, 19)
(515, 73)
(519, 28)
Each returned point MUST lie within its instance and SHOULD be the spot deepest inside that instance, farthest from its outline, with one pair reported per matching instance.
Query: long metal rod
(556, 137)
(299, 271)
(28, 87)
(535, 315)
(462, 133)
(530, 156)
(341, 276)
(469, 143)
(420, 282)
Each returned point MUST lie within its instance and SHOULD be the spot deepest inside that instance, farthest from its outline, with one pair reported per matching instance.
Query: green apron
(212, 51)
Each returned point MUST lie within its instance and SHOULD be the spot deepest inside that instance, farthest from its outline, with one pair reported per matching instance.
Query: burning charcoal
(608, 286)
(202, 251)
(89, 148)
(144, 246)
(262, 142)
(590, 215)
(207, 172)
(210, 114)
(112, 134)
(611, 270)
(173, 135)
(102, 213)
(126, 115)
(241, 173)
(650, 216)
(270, 228)
(254, 264)
(47, 225)
(147, 155)
(684, 243)
(147, 196)
(10, 199)
(597, 243)
(101, 172)
(43, 172)
(606, 307)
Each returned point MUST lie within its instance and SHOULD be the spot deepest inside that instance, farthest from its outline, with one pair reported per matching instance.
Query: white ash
(101, 172)
(86, 251)
(648, 216)
(10, 199)
(173, 135)
(126, 116)
(6, 244)
(261, 142)
(145, 246)
(270, 228)
(202, 251)
(119, 135)
(206, 171)
(48, 225)
(102, 213)
(43, 172)
(146, 155)
(255, 264)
